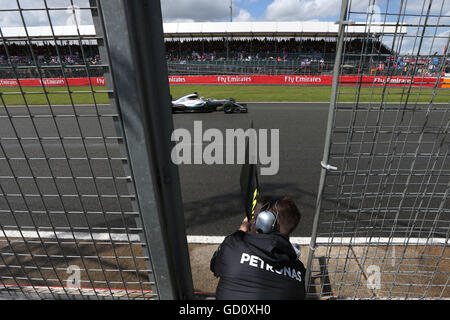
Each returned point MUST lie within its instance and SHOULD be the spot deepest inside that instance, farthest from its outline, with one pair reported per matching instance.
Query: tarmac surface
(211, 193)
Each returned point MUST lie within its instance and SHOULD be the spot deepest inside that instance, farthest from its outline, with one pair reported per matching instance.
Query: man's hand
(245, 225)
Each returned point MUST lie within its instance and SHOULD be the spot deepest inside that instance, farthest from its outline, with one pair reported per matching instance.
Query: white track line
(215, 240)
(336, 240)
(81, 290)
(327, 103)
(97, 236)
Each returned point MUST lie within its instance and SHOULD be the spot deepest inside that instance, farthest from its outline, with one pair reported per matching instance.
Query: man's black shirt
(257, 267)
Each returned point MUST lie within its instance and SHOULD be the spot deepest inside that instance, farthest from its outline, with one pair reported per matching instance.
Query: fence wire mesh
(384, 221)
(69, 224)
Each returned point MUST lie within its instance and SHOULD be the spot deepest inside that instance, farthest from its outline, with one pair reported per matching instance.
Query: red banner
(244, 79)
(53, 82)
(305, 80)
(252, 79)
(390, 81)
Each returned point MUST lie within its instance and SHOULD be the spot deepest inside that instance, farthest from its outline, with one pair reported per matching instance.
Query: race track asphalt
(211, 193)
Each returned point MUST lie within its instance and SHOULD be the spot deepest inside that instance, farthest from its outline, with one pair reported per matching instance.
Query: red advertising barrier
(251, 79)
(53, 82)
(305, 80)
(391, 81)
(245, 79)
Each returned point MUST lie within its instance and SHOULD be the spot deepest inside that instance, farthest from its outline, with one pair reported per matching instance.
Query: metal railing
(90, 202)
(242, 67)
(382, 222)
(75, 221)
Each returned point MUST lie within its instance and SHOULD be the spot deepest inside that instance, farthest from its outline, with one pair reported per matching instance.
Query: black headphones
(266, 221)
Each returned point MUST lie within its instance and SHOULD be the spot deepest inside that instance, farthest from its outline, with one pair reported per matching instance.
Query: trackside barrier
(53, 82)
(307, 80)
(385, 167)
(446, 83)
(90, 203)
(249, 79)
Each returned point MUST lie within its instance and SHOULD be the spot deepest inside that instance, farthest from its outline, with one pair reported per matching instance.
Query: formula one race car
(193, 103)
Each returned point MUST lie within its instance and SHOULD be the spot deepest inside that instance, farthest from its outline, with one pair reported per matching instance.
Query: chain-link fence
(89, 197)
(74, 223)
(243, 67)
(382, 218)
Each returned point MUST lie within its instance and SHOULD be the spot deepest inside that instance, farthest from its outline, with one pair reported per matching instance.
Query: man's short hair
(288, 214)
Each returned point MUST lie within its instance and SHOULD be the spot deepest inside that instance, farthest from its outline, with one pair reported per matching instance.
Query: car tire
(228, 107)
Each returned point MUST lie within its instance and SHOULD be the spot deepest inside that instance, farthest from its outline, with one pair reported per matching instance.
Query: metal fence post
(136, 52)
(324, 163)
(386, 232)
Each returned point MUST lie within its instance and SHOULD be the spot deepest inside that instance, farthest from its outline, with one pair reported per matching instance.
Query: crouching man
(258, 262)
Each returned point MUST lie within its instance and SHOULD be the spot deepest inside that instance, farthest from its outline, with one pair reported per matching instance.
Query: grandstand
(207, 48)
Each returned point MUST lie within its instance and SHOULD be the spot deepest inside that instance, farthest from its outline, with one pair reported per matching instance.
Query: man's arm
(212, 264)
(245, 225)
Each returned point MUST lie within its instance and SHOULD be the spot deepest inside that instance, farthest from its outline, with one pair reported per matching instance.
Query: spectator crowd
(48, 53)
(261, 49)
(317, 53)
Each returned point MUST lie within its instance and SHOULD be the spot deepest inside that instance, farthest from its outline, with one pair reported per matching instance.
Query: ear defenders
(266, 220)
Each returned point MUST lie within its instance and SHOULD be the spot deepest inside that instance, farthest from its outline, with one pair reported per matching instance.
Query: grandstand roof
(216, 29)
(45, 32)
(269, 29)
